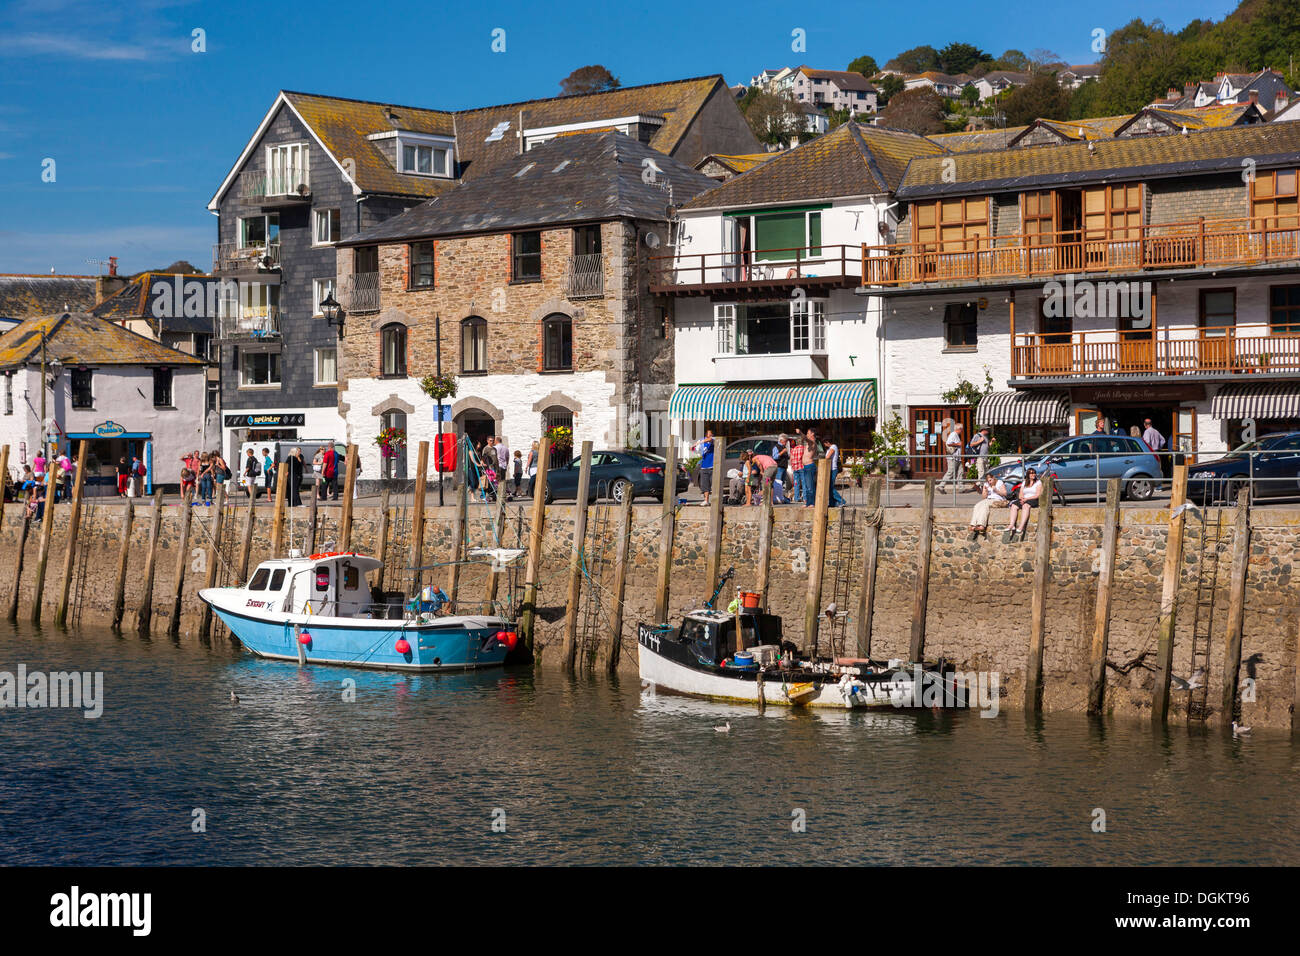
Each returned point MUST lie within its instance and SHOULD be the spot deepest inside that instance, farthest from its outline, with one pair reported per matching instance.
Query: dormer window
(425, 155)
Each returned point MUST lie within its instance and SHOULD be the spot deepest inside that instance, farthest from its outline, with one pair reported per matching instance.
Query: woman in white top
(993, 495)
(1030, 491)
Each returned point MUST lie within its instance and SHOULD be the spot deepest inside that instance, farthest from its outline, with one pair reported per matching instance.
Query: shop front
(106, 444)
(1172, 409)
(1248, 412)
(1021, 421)
(262, 427)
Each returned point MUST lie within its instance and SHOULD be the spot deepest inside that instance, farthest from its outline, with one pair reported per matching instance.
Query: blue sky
(142, 129)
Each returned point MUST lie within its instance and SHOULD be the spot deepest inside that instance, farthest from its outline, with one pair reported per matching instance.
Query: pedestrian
(704, 448)
(797, 448)
(123, 476)
(833, 456)
(138, 472)
(293, 474)
(38, 466)
(268, 470)
(317, 471)
(65, 470)
(1027, 500)
(205, 478)
(781, 455)
(252, 467)
(980, 447)
(1151, 435)
(737, 479)
(954, 446)
(519, 471)
(1100, 428)
(189, 473)
(220, 470)
(993, 494)
(768, 468)
(503, 456)
(36, 501)
(329, 470)
(531, 468)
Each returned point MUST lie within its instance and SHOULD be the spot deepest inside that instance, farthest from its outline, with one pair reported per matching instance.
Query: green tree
(887, 88)
(588, 79)
(1013, 60)
(1042, 97)
(960, 57)
(774, 117)
(970, 95)
(865, 65)
(918, 59)
(918, 111)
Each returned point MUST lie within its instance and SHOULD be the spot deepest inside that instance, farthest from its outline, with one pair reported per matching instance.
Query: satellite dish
(304, 190)
(652, 240)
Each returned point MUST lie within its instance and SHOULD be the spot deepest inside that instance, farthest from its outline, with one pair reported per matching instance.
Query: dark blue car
(1269, 467)
(614, 474)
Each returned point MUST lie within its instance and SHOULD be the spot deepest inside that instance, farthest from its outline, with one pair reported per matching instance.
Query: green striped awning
(723, 403)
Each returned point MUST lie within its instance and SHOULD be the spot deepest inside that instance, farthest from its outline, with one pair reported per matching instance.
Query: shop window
(959, 326)
(473, 344)
(83, 392)
(526, 255)
(1284, 309)
(557, 343)
(392, 351)
(162, 388)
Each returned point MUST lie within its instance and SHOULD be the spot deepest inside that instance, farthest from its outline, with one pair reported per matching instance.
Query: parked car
(614, 474)
(1276, 467)
(1083, 464)
(763, 444)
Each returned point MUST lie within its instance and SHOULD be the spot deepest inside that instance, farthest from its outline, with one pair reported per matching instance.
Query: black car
(613, 475)
(1269, 467)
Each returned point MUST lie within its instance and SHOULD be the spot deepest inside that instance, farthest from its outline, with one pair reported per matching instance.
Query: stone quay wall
(979, 592)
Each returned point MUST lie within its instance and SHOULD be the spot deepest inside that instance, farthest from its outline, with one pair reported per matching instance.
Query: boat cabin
(712, 634)
(327, 585)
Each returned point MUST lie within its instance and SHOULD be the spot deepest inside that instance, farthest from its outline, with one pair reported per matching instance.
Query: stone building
(535, 276)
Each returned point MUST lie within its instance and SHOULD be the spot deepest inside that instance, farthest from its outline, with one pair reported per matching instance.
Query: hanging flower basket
(391, 441)
(561, 437)
(438, 387)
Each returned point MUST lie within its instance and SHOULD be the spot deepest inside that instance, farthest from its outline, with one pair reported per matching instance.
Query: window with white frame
(286, 169)
(259, 369)
(724, 325)
(770, 328)
(807, 325)
(325, 226)
(321, 289)
(327, 366)
(257, 232)
(424, 157)
(9, 394)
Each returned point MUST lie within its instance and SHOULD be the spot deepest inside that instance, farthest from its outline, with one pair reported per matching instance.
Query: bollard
(144, 617)
(817, 560)
(123, 558)
(1236, 608)
(1169, 597)
(1038, 601)
(214, 559)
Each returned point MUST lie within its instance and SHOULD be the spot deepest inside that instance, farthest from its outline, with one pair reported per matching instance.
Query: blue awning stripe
(722, 403)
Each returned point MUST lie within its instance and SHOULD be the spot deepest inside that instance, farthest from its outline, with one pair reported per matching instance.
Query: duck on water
(322, 609)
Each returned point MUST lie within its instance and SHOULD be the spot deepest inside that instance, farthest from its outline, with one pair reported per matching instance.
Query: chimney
(1254, 97)
(1281, 102)
(111, 284)
(112, 265)
(1171, 94)
(1189, 89)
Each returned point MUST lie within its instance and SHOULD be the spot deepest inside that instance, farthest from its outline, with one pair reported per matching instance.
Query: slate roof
(23, 296)
(850, 160)
(582, 178)
(978, 139)
(1108, 160)
(844, 79)
(135, 301)
(739, 163)
(79, 338)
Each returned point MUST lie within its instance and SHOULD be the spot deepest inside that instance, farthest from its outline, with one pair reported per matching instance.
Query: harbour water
(512, 766)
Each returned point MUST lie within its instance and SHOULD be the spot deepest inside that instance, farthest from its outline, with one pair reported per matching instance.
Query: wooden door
(925, 447)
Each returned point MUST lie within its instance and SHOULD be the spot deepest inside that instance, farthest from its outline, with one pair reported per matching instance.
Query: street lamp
(333, 312)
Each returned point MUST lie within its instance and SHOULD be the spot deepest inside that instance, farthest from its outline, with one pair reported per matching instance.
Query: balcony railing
(256, 257)
(236, 321)
(293, 183)
(586, 276)
(359, 292)
(1180, 245)
(1254, 349)
(839, 265)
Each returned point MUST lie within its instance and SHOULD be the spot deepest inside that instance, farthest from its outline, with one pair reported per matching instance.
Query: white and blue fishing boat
(322, 609)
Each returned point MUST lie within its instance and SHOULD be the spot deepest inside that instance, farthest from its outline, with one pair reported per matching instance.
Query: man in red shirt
(330, 472)
(797, 449)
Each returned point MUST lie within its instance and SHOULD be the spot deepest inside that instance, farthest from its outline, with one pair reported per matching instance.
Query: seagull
(234, 698)
(1251, 661)
(1185, 506)
(726, 728)
(1198, 680)
(1238, 730)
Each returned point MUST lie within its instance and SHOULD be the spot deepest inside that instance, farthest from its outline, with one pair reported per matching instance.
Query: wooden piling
(921, 597)
(1295, 687)
(713, 560)
(4, 475)
(250, 521)
(277, 513)
(74, 528)
(311, 517)
(144, 617)
(416, 557)
(1038, 601)
(817, 559)
(1105, 582)
(183, 554)
(870, 551)
(498, 540)
(457, 544)
(1236, 607)
(47, 532)
(18, 568)
(1169, 596)
(214, 560)
(349, 492)
(528, 610)
(667, 532)
(762, 582)
(621, 551)
(123, 560)
(577, 558)
(381, 550)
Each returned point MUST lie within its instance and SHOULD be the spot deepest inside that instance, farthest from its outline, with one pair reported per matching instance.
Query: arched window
(394, 462)
(392, 351)
(473, 344)
(557, 343)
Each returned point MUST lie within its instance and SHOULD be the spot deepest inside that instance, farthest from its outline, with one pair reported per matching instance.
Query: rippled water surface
(417, 769)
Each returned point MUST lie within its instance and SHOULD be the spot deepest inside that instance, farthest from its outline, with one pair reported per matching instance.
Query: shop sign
(266, 421)
(1136, 394)
(109, 429)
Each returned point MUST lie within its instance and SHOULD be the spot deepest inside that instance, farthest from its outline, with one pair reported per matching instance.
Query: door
(1184, 438)
(1069, 218)
(925, 435)
(1085, 420)
(730, 252)
(1217, 328)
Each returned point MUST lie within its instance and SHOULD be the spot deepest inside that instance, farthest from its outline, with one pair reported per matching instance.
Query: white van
(280, 451)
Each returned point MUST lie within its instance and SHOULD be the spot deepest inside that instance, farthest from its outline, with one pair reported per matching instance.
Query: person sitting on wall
(1030, 491)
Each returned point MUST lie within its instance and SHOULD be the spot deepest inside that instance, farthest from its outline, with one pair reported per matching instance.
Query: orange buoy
(403, 646)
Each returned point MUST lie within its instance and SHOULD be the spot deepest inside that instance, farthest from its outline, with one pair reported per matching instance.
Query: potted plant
(561, 437)
(391, 441)
(438, 387)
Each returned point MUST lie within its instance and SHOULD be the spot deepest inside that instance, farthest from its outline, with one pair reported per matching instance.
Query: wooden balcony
(1174, 351)
(778, 270)
(1130, 249)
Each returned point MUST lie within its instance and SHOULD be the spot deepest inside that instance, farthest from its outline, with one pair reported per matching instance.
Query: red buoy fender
(403, 646)
(304, 639)
(508, 638)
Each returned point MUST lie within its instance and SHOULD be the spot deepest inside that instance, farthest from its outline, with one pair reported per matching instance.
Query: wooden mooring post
(528, 610)
(667, 532)
(713, 559)
(577, 559)
(1105, 583)
(921, 597)
(416, 555)
(74, 528)
(214, 559)
(47, 532)
(766, 525)
(870, 554)
(246, 549)
(144, 617)
(349, 493)
(277, 513)
(1169, 596)
(183, 554)
(4, 473)
(1038, 601)
(123, 561)
(1236, 608)
(381, 549)
(817, 559)
(312, 516)
(623, 547)
(498, 539)
(18, 567)
(457, 543)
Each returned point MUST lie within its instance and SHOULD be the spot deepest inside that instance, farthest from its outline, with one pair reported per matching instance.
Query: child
(519, 471)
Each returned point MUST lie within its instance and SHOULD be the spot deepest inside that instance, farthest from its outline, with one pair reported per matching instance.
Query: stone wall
(979, 596)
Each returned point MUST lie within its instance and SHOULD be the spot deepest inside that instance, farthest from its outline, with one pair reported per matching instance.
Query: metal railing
(1191, 244)
(359, 292)
(237, 257)
(758, 267)
(241, 321)
(291, 182)
(585, 277)
(1167, 351)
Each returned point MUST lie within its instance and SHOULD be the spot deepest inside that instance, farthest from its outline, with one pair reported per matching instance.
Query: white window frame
(316, 215)
(9, 394)
(321, 289)
(280, 159)
(807, 325)
(316, 366)
(724, 328)
(243, 382)
(434, 144)
(266, 217)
